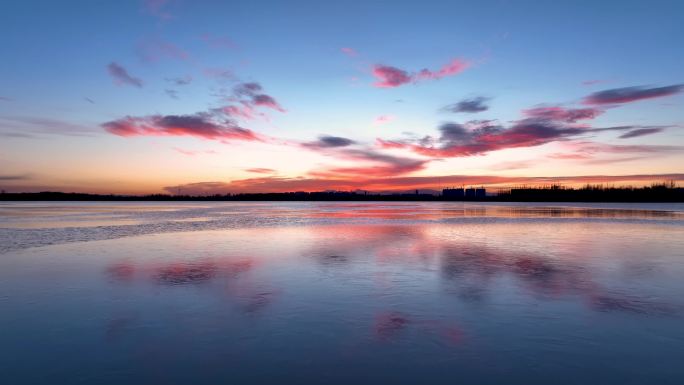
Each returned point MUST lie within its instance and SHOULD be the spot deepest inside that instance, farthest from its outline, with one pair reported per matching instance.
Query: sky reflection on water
(515, 297)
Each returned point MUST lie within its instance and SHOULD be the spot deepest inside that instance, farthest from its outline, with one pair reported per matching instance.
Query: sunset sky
(251, 96)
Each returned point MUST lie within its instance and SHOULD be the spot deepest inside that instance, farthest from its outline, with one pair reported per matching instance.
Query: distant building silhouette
(453, 193)
(461, 193)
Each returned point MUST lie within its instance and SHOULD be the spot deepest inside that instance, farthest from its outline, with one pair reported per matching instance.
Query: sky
(207, 97)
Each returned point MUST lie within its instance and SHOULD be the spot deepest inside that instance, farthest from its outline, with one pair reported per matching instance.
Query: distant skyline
(153, 96)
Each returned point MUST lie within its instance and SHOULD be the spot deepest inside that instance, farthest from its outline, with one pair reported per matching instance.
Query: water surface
(206, 293)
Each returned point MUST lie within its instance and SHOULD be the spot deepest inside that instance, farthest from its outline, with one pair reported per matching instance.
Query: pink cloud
(389, 77)
(454, 67)
(349, 51)
(241, 111)
(198, 125)
(383, 119)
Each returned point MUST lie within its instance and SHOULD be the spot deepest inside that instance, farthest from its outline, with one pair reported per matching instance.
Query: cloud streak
(631, 94)
(567, 115)
(120, 76)
(641, 132)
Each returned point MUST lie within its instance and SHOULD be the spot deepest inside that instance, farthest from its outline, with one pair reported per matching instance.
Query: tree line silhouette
(658, 192)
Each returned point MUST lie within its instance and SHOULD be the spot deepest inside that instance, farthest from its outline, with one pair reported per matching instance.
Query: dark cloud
(329, 142)
(251, 94)
(473, 105)
(631, 94)
(641, 132)
(121, 76)
(180, 81)
(568, 115)
(14, 177)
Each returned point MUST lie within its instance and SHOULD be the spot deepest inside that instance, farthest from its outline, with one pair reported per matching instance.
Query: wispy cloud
(472, 105)
(631, 94)
(218, 42)
(383, 119)
(326, 141)
(641, 132)
(173, 94)
(14, 177)
(158, 8)
(224, 74)
(259, 170)
(154, 49)
(349, 51)
(180, 81)
(252, 94)
(592, 82)
(588, 152)
(41, 125)
(389, 76)
(568, 115)
(194, 152)
(371, 164)
(121, 76)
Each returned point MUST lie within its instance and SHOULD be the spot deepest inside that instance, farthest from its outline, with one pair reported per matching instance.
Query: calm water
(340, 293)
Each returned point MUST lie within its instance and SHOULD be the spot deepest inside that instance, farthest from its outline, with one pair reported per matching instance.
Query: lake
(341, 292)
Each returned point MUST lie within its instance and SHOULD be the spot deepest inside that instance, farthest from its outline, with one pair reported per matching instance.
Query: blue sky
(318, 60)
